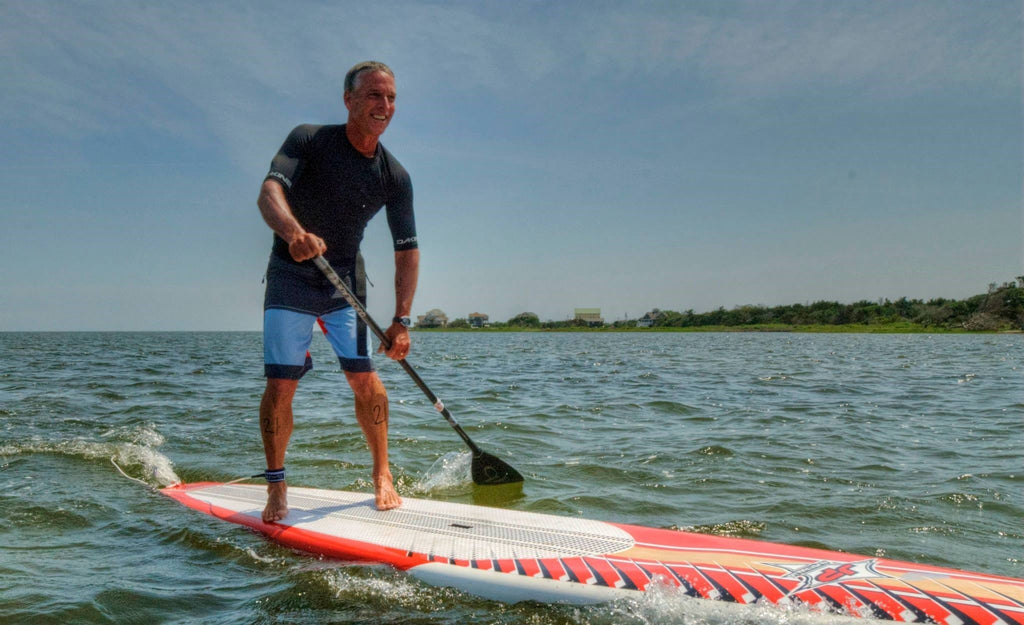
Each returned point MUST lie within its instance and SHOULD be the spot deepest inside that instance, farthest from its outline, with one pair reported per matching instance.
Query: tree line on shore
(1001, 308)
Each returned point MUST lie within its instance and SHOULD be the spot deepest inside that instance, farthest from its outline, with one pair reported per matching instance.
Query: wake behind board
(510, 556)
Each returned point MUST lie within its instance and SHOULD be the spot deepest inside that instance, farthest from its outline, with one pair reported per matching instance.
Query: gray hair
(365, 66)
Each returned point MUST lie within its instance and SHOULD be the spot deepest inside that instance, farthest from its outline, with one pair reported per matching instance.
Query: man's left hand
(398, 336)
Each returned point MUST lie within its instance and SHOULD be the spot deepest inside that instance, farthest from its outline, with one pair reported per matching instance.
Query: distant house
(590, 316)
(435, 318)
(647, 321)
(478, 320)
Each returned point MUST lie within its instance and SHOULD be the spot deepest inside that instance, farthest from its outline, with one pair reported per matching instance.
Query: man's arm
(277, 213)
(407, 271)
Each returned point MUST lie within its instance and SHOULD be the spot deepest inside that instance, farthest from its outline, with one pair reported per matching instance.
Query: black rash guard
(334, 191)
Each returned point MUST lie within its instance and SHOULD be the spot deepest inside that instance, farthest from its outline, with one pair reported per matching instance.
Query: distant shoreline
(853, 328)
(999, 310)
(895, 328)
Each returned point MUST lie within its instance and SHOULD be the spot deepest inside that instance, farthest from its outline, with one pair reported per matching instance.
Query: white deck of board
(436, 528)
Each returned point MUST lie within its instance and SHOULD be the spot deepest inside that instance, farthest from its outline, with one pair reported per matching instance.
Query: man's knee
(366, 386)
(280, 390)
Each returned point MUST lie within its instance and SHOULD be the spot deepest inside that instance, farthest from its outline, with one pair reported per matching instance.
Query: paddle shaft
(353, 301)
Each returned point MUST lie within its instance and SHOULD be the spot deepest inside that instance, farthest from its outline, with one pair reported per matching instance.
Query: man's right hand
(305, 246)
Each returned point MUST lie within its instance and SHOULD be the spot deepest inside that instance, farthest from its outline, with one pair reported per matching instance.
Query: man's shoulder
(394, 168)
(310, 132)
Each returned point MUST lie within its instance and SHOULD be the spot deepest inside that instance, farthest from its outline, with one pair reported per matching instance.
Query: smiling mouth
(380, 118)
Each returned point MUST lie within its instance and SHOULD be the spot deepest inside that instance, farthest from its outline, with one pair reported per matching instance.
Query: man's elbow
(267, 190)
(407, 258)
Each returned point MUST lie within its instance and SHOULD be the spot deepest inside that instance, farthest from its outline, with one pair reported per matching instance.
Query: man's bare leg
(372, 414)
(276, 429)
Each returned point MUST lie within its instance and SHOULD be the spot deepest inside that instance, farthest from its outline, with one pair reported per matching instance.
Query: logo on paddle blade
(825, 572)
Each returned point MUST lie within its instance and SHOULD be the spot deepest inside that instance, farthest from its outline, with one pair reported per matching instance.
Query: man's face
(371, 105)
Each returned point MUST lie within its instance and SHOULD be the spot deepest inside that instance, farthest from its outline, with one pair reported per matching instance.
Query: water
(903, 446)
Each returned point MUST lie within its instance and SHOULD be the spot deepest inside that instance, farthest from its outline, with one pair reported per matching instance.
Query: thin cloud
(198, 68)
(775, 48)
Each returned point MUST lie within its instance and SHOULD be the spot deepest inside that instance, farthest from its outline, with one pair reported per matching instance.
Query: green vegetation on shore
(1001, 309)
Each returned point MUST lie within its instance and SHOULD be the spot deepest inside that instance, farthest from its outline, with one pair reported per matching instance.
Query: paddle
(486, 469)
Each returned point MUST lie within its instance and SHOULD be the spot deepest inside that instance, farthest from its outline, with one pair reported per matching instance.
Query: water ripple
(907, 446)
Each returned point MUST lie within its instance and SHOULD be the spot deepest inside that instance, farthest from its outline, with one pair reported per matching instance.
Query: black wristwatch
(405, 321)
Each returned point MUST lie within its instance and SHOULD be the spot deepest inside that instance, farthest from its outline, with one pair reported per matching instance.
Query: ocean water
(904, 446)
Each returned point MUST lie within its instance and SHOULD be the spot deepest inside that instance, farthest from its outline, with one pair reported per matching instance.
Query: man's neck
(364, 144)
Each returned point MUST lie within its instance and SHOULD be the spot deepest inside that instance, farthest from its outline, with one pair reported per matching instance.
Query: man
(324, 185)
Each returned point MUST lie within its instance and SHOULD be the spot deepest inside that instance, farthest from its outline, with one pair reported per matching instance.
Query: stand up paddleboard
(510, 556)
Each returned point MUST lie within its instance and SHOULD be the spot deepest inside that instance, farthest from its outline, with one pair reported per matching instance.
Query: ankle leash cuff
(272, 475)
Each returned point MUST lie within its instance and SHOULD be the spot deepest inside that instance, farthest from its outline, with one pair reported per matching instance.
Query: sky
(622, 155)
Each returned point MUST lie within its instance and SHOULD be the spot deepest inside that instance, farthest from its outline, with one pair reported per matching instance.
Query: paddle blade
(489, 470)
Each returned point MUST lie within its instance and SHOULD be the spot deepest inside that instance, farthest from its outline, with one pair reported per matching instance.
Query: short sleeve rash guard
(334, 191)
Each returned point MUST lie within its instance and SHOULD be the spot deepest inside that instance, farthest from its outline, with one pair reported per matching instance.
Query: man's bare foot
(277, 502)
(384, 490)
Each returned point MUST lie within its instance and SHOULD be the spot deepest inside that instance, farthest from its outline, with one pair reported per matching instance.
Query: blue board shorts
(299, 296)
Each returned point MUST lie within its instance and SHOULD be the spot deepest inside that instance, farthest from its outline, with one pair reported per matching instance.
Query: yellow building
(590, 316)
